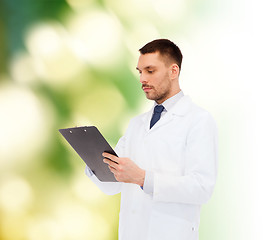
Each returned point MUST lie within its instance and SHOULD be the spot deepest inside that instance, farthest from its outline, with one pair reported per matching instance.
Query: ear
(175, 71)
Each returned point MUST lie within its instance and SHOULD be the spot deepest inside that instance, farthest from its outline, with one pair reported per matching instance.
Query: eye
(150, 71)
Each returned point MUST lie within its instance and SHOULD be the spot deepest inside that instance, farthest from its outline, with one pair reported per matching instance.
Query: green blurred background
(67, 63)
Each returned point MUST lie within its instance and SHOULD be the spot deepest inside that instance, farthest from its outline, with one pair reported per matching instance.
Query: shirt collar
(170, 102)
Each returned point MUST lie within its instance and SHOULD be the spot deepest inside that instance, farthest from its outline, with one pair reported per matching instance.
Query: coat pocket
(168, 227)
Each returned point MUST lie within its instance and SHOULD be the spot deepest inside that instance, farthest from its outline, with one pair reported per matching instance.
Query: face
(156, 78)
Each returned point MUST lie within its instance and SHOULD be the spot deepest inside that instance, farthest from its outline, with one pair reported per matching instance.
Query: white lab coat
(181, 151)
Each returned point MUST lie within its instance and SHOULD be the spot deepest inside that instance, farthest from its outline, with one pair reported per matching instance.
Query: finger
(113, 170)
(111, 157)
(110, 163)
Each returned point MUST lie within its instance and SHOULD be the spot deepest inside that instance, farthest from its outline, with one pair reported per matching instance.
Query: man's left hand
(124, 169)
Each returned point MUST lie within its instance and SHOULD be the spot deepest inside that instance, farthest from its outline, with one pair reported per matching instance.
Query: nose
(142, 78)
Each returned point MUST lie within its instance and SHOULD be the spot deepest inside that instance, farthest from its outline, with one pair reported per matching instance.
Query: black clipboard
(89, 143)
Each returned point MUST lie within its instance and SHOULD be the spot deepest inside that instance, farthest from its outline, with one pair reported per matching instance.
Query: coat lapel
(179, 110)
(146, 118)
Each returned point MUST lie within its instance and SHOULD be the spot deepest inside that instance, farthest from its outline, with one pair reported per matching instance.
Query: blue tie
(156, 114)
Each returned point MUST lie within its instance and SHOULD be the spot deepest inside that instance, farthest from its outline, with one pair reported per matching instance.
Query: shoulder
(199, 112)
(200, 117)
(186, 107)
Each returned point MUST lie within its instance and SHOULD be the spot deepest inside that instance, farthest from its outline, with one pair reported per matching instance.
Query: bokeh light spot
(15, 194)
(50, 46)
(24, 124)
(96, 37)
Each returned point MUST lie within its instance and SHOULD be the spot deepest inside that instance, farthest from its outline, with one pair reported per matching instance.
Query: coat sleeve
(109, 188)
(195, 185)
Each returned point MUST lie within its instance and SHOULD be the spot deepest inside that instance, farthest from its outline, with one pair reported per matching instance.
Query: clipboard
(89, 143)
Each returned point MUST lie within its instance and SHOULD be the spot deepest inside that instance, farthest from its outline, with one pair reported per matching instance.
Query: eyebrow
(148, 67)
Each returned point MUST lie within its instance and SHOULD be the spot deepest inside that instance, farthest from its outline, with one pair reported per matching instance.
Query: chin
(150, 97)
(154, 97)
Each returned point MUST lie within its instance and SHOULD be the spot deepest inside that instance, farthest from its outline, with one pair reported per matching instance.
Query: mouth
(146, 88)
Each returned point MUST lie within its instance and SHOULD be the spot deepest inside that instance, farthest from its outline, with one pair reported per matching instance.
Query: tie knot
(158, 108)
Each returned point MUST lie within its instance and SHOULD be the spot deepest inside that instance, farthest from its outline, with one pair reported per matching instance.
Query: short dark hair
(166, 48)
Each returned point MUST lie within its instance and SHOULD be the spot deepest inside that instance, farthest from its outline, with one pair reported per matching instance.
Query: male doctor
(167, 162)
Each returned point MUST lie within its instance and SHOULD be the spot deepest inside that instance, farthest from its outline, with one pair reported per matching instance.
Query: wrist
(141, 178)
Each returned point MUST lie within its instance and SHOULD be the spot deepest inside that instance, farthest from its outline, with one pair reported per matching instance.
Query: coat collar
(181, 108)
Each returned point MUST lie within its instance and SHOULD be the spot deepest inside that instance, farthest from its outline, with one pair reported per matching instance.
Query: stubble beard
(157, 97)
(160, 95)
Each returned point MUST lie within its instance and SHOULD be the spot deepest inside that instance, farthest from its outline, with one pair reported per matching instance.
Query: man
(167, 161)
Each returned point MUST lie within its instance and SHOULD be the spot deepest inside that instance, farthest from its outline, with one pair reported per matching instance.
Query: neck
(171, 94)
